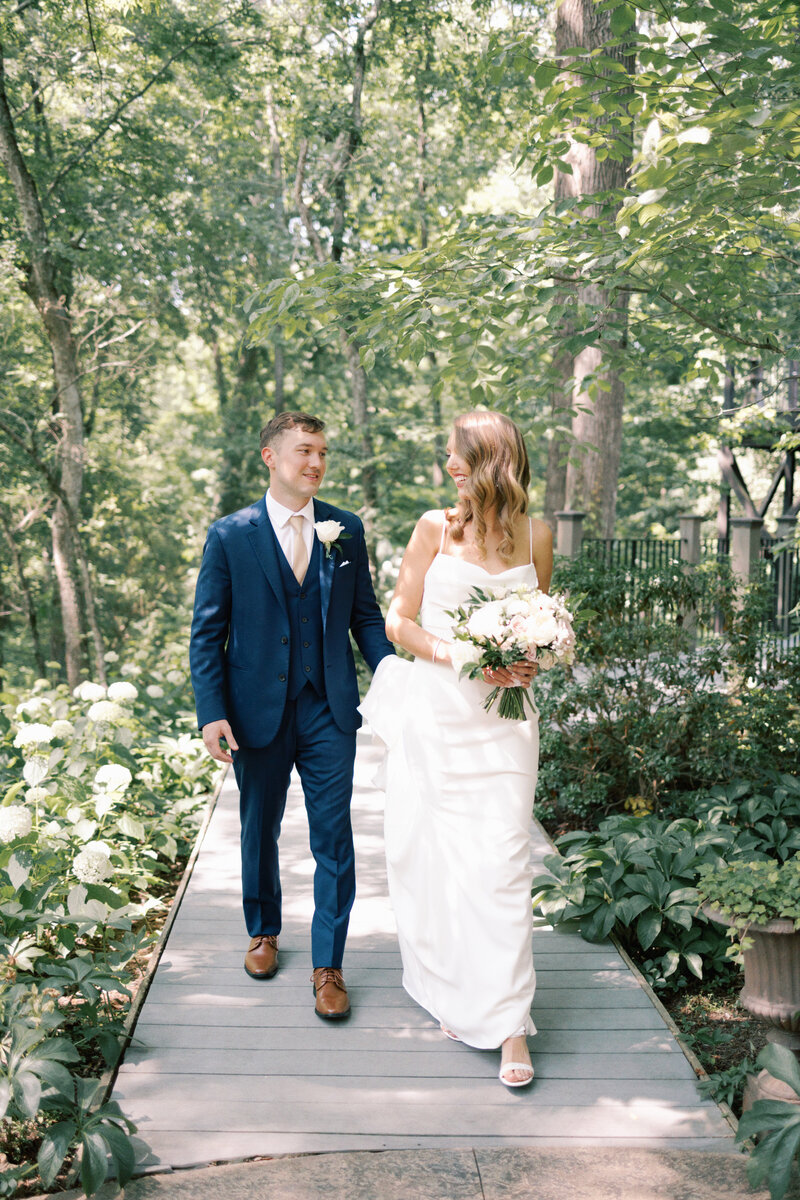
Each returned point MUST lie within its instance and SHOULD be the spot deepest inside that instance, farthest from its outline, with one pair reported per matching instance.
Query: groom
(281, 585)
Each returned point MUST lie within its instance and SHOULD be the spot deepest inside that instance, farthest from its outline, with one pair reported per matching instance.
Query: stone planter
(771, 992)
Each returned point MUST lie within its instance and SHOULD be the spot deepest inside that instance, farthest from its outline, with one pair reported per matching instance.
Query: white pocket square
(346, 563)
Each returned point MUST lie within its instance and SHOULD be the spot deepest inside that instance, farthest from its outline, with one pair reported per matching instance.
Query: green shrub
(101, 793)
(648, 717)
(637, 876)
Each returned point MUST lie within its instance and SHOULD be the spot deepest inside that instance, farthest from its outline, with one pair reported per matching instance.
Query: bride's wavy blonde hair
(499, 475)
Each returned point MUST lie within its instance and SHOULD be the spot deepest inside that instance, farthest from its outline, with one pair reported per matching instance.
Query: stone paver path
(223, 1067)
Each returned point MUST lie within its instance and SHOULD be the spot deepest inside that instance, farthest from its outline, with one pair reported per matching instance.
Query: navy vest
(304, 605)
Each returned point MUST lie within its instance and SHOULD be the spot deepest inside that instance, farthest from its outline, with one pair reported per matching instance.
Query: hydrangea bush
(101, 793)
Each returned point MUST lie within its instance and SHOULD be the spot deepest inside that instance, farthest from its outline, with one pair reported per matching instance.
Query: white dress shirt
(279, 517)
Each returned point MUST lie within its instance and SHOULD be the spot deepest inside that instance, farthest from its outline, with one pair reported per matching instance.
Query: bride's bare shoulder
(429, 526)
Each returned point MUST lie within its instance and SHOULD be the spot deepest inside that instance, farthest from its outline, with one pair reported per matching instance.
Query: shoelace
(328, 975)
(270, 938)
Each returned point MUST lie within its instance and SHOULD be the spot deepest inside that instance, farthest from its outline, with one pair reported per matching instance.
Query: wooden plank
(184, 1023)
(288, 1089)
(433, 1064)
(195, 1114)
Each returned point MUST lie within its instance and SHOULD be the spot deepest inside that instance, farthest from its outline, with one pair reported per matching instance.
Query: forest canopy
(384, 212)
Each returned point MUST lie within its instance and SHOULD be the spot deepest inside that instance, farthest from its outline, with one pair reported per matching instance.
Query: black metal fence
(646, 556)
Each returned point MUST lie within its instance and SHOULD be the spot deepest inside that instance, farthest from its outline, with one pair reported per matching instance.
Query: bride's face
(456, 467)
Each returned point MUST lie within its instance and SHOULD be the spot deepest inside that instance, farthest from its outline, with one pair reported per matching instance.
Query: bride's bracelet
(435, 648)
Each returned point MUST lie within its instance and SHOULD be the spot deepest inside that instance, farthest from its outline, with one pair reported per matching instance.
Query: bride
(460, 781)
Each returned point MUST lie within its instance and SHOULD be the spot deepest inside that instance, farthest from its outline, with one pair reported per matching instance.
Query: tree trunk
(27, 598)
(282, 239)
(41, 286)
(345, 147)
(558, 446)
(593, 470)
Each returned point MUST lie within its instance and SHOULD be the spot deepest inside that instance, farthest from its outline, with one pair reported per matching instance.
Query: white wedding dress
(459, 795)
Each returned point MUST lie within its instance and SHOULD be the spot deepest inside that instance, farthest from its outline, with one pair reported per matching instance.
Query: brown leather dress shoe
(261, 960)
(332, 1002)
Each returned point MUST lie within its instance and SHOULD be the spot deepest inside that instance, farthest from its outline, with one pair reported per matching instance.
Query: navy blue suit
(273, 657)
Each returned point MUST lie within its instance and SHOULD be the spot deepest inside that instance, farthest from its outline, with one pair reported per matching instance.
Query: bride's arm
(542, 553)
(401, 623)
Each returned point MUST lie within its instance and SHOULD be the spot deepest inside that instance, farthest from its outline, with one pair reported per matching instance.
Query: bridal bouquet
(498, 627)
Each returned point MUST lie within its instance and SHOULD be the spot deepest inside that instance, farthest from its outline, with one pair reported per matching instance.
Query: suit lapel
(265, 545)
(327, 566)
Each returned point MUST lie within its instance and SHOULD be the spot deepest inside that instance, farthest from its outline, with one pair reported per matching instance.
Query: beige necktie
(299, 552)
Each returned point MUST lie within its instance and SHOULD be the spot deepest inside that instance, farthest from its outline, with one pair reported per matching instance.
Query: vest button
(304, 620)
(308, 670)
(284, 640)
(282, 678)
(302, 595)
(306, 644)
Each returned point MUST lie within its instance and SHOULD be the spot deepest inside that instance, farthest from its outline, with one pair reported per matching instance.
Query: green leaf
(122, 1151)
(53, 1150)
(27, 1090)
(131, 827)
(648, 928)
(94, 1162)
(622, 18)
(5, 1096)
(781, 1063)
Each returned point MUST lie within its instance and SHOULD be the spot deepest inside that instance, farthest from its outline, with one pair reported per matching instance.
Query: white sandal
(527, 1067)
(515, 1066)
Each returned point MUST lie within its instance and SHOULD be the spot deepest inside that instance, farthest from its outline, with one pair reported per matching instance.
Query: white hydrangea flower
(63, 729)
(33, 706)
(15, 822)
(36, 795)
(175, 676)
(89, 691)
(130, 669)
(113, 777)
(35, 734)
(106, 712)
(75, 814)
(122, 691)
(111, 656)
(92, 864)
(35, 770)
(154, 691)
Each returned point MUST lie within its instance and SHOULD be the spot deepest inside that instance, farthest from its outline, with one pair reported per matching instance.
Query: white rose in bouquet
(463, 653)
(488, 621)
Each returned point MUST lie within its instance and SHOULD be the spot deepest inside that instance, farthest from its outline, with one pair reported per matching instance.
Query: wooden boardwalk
(223, 1067)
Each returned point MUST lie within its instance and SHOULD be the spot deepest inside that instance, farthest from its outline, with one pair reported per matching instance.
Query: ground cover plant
(102, 792)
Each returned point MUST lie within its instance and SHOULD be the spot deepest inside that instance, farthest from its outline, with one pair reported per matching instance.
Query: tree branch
(302, 207)
(125, 104)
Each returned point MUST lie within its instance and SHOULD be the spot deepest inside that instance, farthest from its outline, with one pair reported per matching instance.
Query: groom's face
(296, 462)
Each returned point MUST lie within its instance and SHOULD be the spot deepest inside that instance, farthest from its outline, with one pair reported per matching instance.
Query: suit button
(304, 620)
(302, 595)
(308, 670)
(306, 644)
(284, 640)
(282, 678)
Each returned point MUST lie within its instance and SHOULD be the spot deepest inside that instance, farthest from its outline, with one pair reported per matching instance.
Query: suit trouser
(309, 739)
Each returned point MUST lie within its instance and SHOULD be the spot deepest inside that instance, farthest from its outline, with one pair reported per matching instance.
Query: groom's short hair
(285, 421)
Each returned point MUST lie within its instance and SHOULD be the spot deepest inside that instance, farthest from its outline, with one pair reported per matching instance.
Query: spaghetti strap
(530, 530)
(444, 530)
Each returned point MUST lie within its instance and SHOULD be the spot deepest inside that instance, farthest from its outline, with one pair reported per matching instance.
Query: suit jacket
(240, 643)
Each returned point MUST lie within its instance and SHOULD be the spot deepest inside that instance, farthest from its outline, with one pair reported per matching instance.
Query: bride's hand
(519, 674)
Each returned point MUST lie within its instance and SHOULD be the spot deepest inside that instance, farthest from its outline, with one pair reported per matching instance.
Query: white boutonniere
(330, 533)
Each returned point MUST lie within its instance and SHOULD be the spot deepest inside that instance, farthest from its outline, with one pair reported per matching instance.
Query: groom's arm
(210, 627)
(366, 619)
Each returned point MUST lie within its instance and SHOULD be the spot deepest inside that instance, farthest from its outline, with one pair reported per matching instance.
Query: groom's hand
(212, 733)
